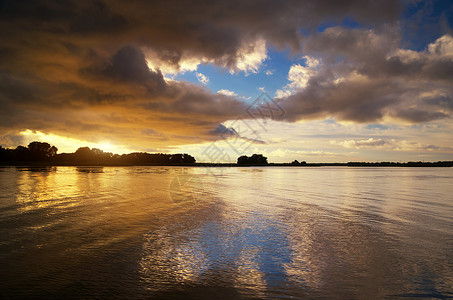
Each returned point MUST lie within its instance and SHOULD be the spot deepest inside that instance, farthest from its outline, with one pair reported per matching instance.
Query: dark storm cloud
(441, 101)
(116, 96)
(215, 30)
(129, 64)
(16, 89)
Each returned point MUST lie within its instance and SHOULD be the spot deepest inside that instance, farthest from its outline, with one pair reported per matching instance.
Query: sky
(316, 81)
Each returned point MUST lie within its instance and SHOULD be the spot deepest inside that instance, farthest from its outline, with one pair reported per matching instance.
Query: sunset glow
(69, 144)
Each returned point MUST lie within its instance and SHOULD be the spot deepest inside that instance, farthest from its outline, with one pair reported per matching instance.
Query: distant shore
(41, 154)
(212, 165)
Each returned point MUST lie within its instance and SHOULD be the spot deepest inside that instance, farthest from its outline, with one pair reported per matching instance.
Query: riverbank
(231, 165)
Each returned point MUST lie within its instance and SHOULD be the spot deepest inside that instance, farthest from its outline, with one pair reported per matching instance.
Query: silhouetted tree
(243, 160)
(21, 153)
(176, 159)
(259, 159)
(188, 159)
(41, 151)
(156, 159)
(5, 154)
(255, 159)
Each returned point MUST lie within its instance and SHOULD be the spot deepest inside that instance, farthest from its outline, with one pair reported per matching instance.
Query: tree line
(44, 153)
(39, 153)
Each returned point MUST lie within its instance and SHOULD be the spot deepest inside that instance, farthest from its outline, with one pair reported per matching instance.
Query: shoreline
(440, 164)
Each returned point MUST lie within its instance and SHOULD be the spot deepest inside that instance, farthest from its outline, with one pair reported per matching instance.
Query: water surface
(170, 232)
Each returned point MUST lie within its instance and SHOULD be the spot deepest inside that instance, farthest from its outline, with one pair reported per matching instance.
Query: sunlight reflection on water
(166, 232)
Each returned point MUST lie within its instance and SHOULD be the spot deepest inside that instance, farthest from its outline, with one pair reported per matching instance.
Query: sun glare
(65, 144)
(107, 147)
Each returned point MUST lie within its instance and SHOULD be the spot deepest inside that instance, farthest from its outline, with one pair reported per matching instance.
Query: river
(226, 233)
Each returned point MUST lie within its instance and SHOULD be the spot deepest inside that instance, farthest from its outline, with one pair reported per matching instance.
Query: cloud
(222, 130)
(358, 144)
(239, 133)
(288, 155)
(253, 141)
(250, 57)
(391, 145)
(299, 76)
(96, 70)
(227, 93)
(202, 78)
(174, 31)
(129, 65)
(11, 140)
(365, 77)
(116, 98)
(442, 46)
